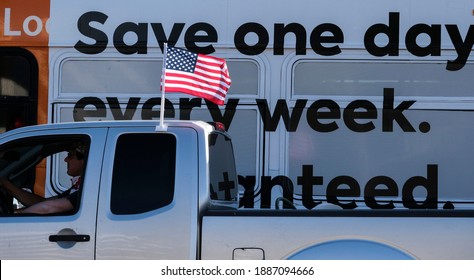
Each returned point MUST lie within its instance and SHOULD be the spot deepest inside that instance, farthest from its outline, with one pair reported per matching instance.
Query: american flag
(196, 74)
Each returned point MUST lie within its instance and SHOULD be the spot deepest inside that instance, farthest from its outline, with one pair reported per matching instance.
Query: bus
(346, 104)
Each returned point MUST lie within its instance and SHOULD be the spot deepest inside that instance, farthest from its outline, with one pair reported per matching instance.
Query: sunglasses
(71, 154)
(74, 154)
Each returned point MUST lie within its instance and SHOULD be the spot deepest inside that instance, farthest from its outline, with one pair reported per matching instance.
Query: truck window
(222, 171)
(23, 166)
(143, 173)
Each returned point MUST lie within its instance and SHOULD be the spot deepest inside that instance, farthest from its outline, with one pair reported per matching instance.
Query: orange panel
(23, 22)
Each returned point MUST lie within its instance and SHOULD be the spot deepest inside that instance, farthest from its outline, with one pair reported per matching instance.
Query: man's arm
(26, 198)
(49, 206)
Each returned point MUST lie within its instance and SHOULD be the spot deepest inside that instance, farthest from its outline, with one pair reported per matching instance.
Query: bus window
(245, 78)
(120, 76)
(368, 78)
(18, 88)
(347, 163)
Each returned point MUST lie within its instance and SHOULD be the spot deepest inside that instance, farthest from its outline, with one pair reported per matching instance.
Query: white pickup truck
(171, 192)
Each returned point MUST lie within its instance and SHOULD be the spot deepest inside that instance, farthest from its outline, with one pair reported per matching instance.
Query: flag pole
(163, 85)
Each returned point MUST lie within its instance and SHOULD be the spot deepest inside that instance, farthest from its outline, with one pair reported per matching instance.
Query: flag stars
(181, 60)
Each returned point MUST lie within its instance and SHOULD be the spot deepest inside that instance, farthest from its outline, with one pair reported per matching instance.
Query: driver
(56, 204)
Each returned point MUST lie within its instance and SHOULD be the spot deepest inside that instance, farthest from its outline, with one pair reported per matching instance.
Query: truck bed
(328, 234)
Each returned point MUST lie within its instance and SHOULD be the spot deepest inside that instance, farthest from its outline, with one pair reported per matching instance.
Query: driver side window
(25, 180)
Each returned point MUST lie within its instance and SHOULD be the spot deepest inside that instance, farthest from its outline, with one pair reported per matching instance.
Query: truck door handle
(71, 238)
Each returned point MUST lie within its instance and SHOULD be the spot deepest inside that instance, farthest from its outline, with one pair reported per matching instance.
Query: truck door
(148, 202)
(35, 161)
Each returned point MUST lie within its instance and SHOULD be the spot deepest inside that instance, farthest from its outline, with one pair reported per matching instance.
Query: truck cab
(141, 195)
